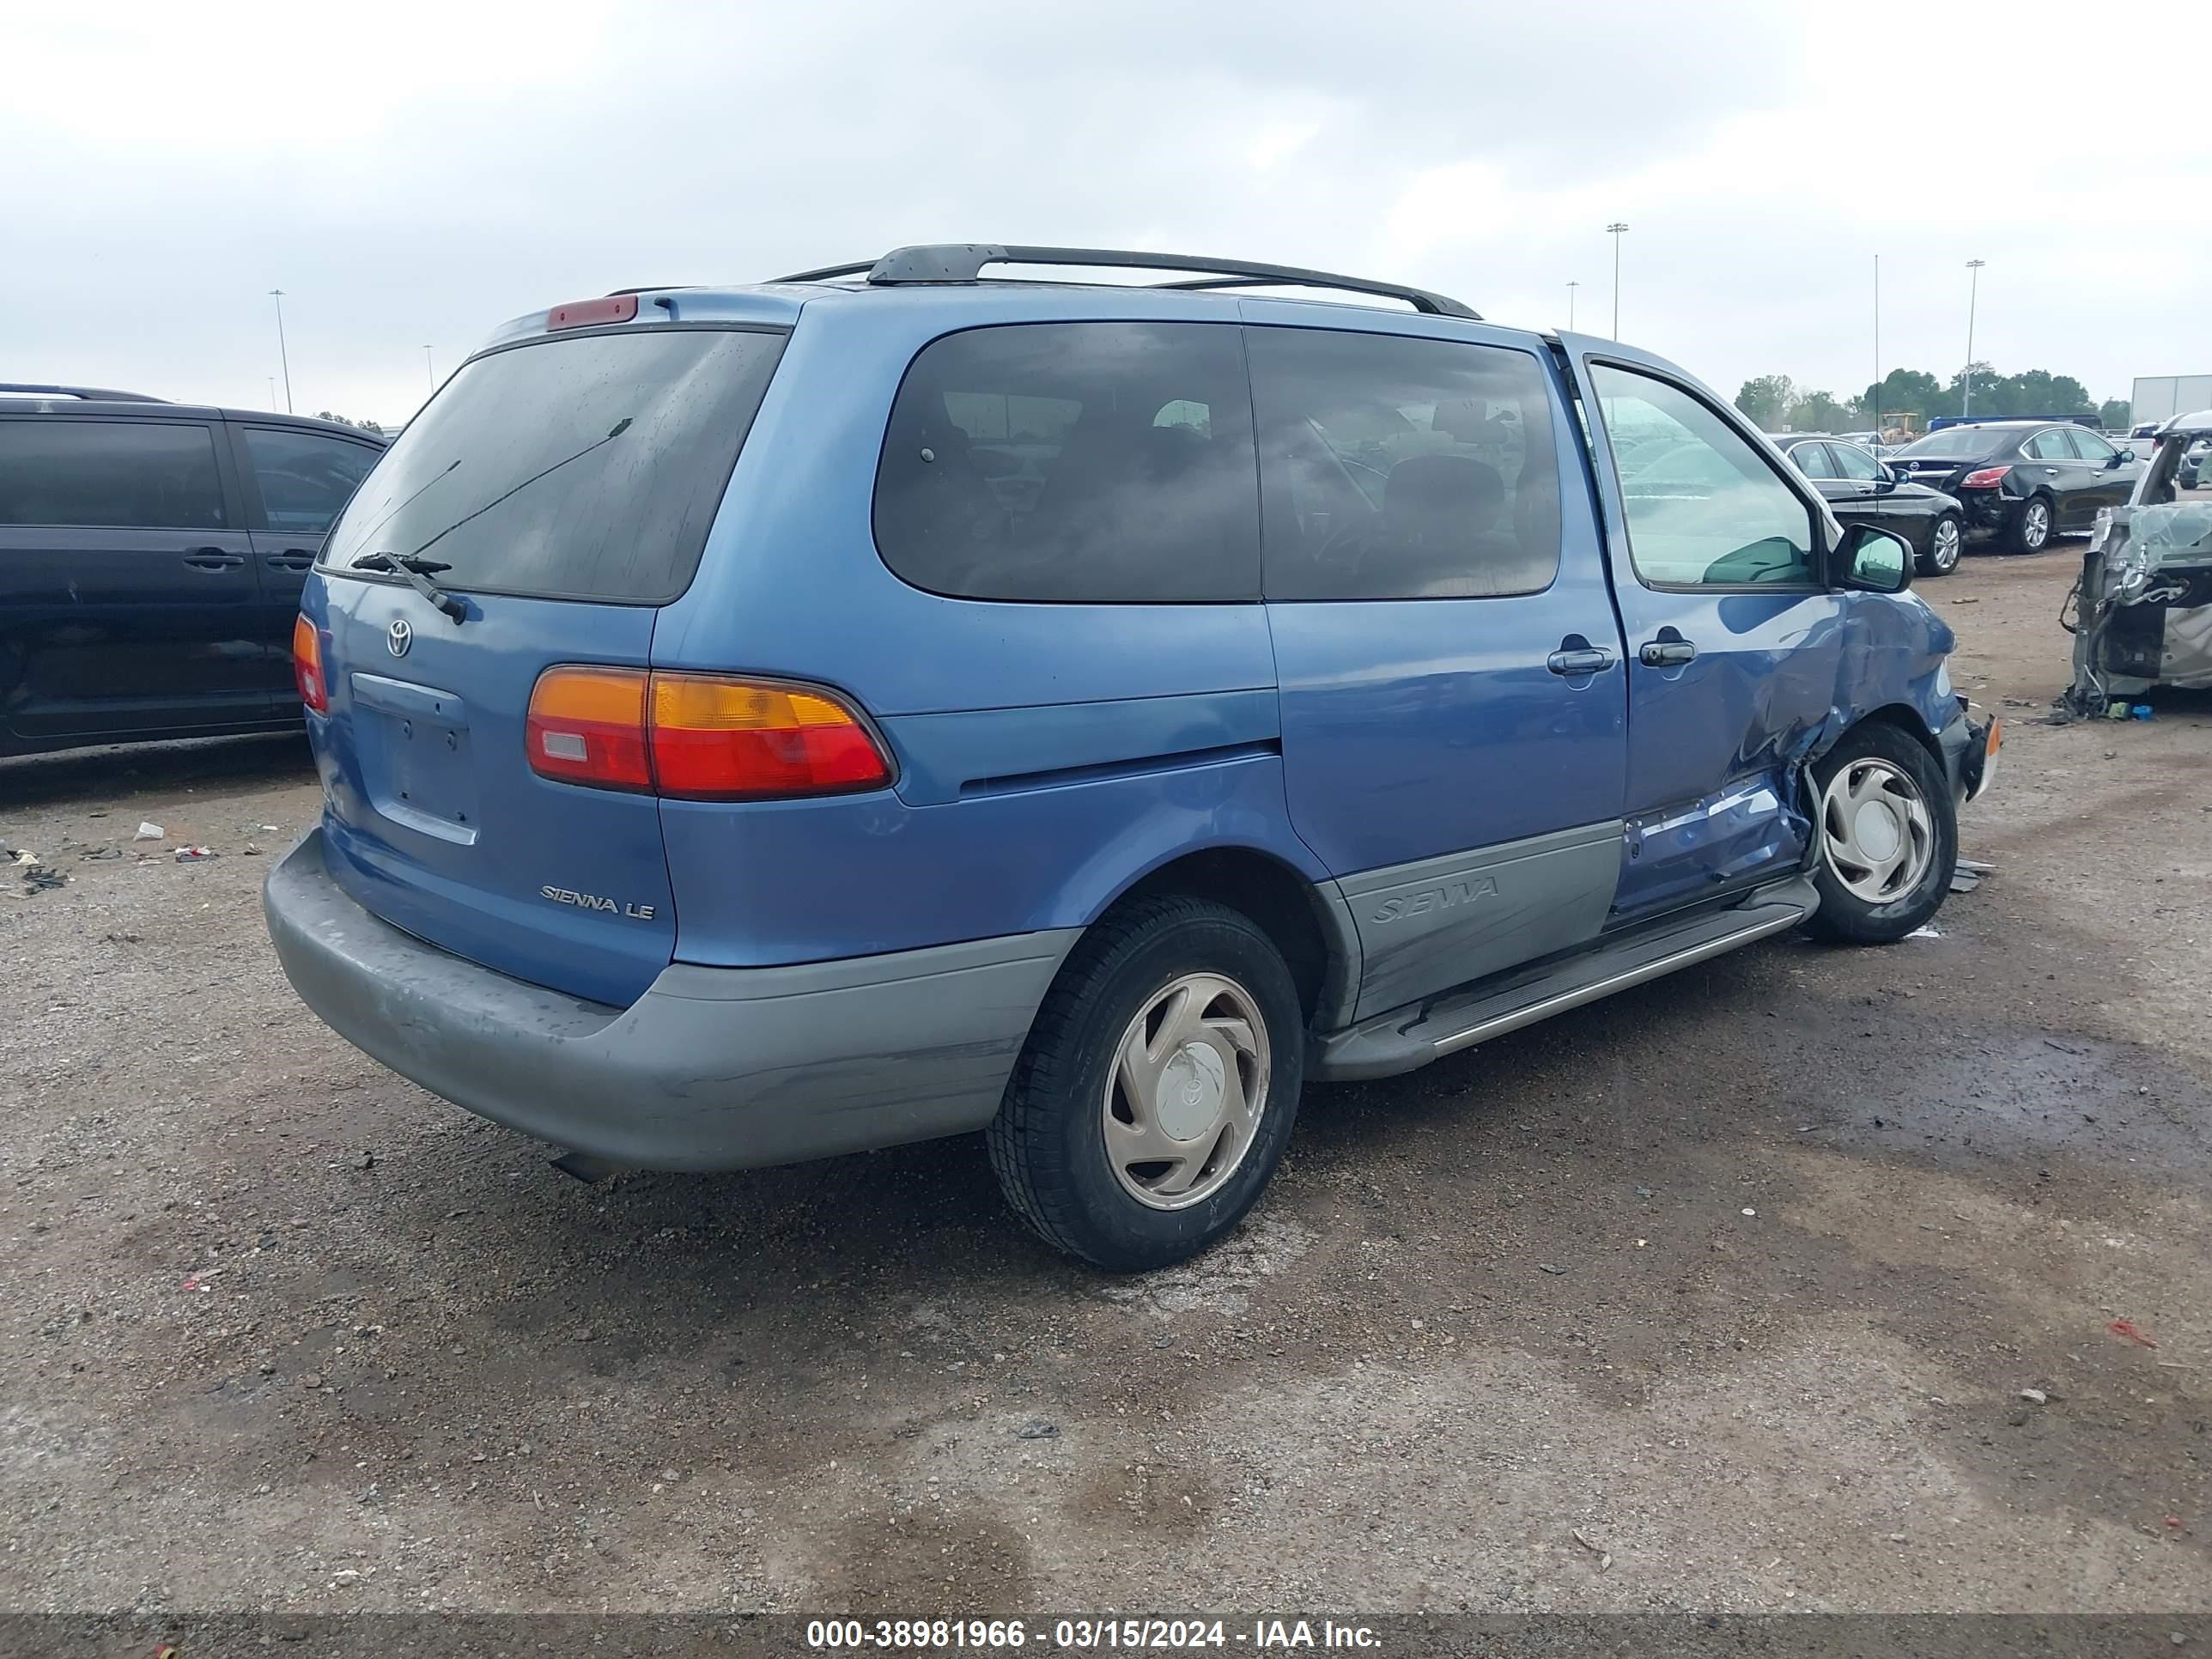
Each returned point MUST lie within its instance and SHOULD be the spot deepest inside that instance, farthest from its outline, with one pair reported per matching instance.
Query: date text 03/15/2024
(1085, 1635)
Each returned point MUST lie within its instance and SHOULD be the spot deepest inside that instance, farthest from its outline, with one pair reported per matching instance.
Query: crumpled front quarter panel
(1894, 652)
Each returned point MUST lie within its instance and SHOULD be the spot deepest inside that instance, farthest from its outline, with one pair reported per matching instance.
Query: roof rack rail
(963, 262)
(88, 394)
(827, 273)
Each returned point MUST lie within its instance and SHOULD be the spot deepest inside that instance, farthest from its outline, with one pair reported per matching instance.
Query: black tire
(1947, 539)
(2022, 533)
(1845, 916)
(1048, 1144)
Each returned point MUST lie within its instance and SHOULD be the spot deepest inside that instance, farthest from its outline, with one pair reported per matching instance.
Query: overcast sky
(411, 174)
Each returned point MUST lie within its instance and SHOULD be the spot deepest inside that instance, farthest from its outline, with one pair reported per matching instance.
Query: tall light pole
(1614, 230)
(282, 356)
(1973, 292)
(1571, 287)
(272, 392)
(429, 372)
(1874, 397)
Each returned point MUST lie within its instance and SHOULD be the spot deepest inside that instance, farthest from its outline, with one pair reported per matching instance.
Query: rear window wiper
(618, 428)
(417, 573)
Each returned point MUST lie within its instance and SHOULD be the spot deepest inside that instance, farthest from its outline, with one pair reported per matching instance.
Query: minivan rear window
(582, 467)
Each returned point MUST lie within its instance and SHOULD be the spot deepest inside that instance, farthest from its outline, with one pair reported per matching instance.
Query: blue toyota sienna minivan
(766, 722)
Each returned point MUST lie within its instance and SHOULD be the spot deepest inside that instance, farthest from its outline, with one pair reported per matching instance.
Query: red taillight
(699, 736)
(307, 666)
(1987, 478)
(588, 726)
(729, 739)
(583, 313)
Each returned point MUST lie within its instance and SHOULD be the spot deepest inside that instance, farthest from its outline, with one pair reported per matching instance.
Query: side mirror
(1874, 561)
(2122, 458)
(1899, 472)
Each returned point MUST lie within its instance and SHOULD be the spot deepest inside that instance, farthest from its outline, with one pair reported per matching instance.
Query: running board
(1399, 1041)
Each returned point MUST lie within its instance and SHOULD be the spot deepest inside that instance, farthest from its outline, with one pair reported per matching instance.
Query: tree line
(1778, 403)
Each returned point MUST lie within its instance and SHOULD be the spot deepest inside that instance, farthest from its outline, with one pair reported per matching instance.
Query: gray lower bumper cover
(711, 1068)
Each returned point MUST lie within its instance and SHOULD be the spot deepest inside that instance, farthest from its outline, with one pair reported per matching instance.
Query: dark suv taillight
(307, 665)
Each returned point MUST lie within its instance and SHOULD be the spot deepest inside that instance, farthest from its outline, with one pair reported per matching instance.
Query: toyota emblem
(399, 636)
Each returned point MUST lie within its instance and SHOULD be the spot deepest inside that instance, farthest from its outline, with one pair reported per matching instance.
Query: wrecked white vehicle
(2141, 613)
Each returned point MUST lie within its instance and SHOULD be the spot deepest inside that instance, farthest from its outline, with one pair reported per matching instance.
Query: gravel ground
(1740, 1277)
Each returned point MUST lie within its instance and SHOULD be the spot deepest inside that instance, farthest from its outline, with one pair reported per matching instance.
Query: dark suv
(151, 558)
(2023, 480)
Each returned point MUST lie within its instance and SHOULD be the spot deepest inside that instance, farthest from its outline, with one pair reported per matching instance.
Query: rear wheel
(1158, 1088)
(1888, 833)
(1946, 536)
(2031, 526)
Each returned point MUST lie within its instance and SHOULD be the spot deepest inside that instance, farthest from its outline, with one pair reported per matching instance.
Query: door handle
(2050, 472)
(213, 558)
(1585, 660)
(291, 559)
(1666, 653)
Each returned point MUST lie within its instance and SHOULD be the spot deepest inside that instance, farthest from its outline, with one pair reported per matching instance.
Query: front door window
(1704, 507)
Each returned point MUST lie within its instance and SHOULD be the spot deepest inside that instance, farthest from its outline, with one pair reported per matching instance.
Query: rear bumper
(711, 1068)
(1987, 512)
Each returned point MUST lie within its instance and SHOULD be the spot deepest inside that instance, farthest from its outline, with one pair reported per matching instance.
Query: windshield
(586, 467)
(1955, 443)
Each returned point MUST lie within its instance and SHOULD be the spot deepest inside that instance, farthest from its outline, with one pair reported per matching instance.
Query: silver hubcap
(2036, 526)
(1188, 1087)
(1876, 831)
(1946, 548)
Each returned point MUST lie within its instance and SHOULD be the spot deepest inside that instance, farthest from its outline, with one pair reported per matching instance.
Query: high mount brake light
(699, 736)
(583, 313)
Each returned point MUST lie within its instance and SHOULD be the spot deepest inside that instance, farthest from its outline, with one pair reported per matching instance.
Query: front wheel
(2031, 526)
(1945, 539)
(1156, 1093)
(1888, 833)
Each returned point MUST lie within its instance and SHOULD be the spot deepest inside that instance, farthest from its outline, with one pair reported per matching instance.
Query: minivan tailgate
(434, 818)
(560, 487)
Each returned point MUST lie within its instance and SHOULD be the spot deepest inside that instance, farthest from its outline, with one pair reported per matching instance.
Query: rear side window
(582, 467)
(305, 477)
(1395, 468)
(1854, 463)
(1812, 460)
(1105, 462)
(128, 475)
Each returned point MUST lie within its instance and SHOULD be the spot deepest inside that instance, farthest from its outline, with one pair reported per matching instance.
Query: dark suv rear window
(1091, 462)
(583, 466)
